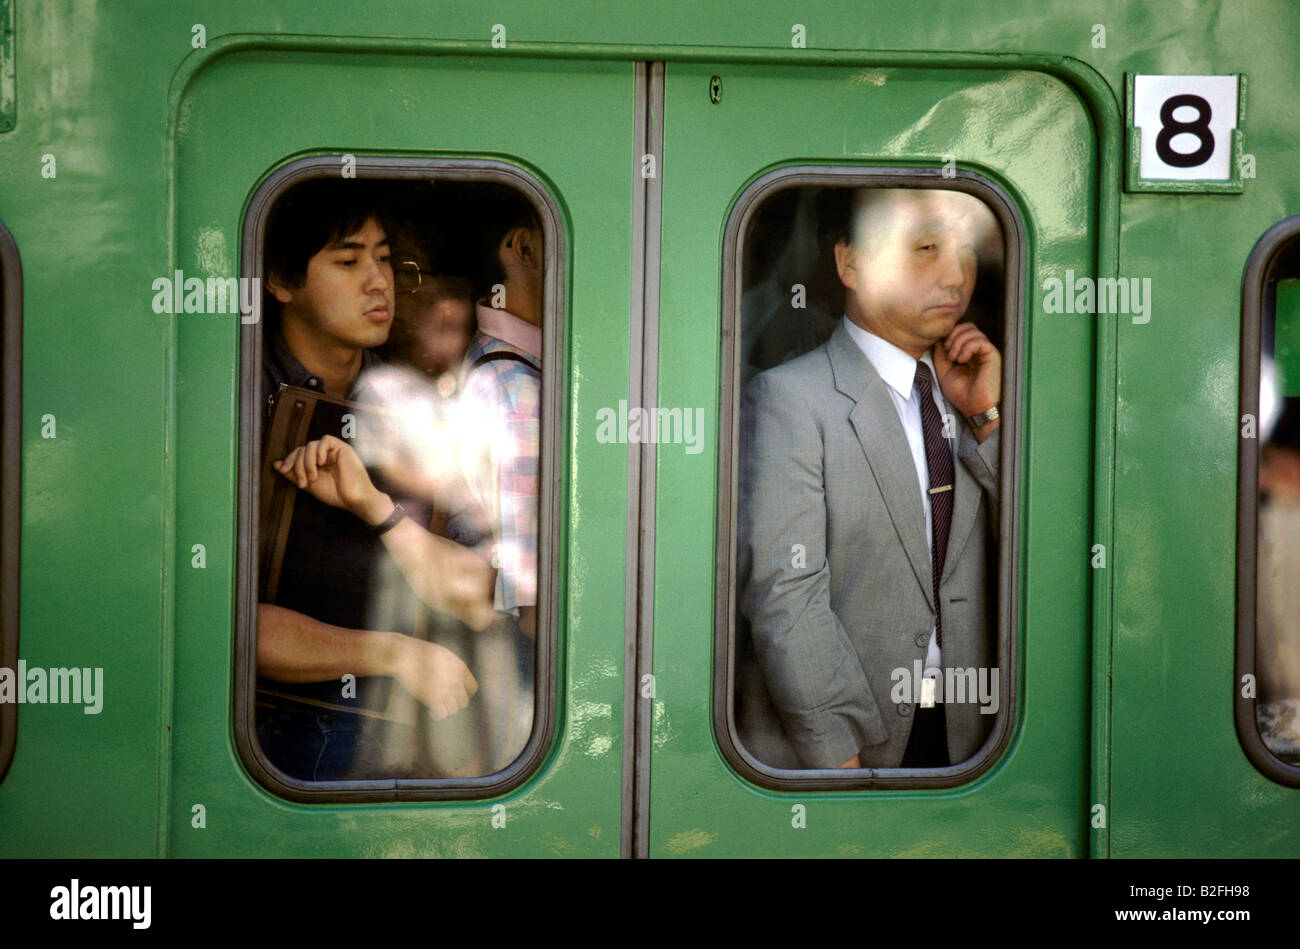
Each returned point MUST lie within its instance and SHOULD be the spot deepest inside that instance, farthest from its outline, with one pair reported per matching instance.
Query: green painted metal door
(1032, 135)
(238, 115)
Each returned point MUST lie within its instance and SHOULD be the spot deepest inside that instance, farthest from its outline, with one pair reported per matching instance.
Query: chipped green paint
(687, 841)
(8, 79)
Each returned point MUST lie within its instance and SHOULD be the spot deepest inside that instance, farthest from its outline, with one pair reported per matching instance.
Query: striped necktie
(938, 459)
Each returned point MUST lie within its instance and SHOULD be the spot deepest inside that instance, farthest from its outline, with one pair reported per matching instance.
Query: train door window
(398, 388)
(1268, 557)
(11, 364)
(871, 314)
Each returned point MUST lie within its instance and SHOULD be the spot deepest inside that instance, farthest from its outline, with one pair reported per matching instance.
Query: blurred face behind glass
(432, 328)
(440, 334)
(910, 267)
(409, 264)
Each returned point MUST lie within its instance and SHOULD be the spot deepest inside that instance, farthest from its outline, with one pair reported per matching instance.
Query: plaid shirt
(508, 391)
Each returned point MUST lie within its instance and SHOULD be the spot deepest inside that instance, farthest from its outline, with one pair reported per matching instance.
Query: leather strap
(499, 355)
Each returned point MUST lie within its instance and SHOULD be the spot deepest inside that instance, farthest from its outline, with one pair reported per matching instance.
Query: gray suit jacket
(834, 568)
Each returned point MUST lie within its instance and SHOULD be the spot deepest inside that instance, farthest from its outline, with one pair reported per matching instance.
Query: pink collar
(509, 328)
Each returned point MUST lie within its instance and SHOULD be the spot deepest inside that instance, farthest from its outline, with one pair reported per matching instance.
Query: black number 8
(1169, 127)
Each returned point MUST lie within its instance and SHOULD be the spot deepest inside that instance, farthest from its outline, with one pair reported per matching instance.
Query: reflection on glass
(868, 478)
(1277, 630)
(398, 515)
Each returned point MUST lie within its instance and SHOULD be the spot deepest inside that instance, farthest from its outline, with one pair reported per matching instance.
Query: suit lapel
(880, 433)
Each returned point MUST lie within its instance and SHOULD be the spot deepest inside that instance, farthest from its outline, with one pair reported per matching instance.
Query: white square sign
(1186, 125)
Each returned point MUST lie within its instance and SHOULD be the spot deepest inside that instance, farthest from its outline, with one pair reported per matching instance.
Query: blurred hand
(436, 677)
(1279, 473)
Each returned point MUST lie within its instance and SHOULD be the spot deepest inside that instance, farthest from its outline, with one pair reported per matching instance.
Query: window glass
(398, 502)
(1277, 575)
(871, 334)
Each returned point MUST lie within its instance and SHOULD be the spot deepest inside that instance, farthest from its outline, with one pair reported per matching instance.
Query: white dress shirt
(898, 370)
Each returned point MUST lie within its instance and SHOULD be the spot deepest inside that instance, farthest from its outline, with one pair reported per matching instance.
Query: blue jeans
(307, 744)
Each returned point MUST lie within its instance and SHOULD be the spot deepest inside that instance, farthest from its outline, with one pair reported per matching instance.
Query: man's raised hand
(970, 369)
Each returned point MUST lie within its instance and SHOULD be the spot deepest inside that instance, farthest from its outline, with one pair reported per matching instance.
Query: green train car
(1136, 266)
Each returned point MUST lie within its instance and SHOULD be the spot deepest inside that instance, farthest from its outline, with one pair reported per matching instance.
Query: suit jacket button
(922, 639)
(905, 708)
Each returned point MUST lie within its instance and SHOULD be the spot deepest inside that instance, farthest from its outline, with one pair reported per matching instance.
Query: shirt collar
(287, 369)
(893, 365)
(507, 327)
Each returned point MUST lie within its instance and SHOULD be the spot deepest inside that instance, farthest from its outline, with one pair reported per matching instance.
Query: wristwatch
(988, 415)
(388, 523)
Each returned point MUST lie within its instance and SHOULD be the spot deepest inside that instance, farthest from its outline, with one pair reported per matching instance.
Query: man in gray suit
(854, 519)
